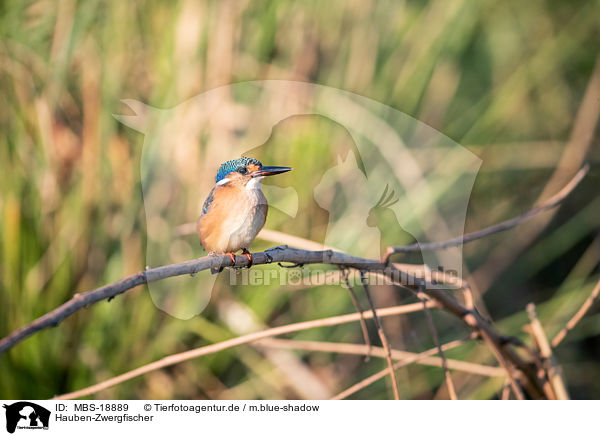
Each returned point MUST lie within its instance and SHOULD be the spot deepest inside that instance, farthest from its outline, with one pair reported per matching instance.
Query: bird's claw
(218, 269)
(232, 257)
(248, 255)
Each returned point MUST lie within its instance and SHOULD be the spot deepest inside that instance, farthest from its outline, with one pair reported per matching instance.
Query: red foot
(231, 256)
(248, 255)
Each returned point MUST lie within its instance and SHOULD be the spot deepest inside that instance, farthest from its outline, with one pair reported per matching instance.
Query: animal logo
(183, 147)
(26, 415)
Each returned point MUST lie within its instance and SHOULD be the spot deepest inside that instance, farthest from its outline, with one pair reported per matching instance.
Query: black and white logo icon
(26, 415)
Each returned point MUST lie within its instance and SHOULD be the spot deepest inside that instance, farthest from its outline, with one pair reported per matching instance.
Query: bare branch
(553, 372)
(240, 340)
(382, 336)
(421, 357)
(79, 301)
(507, 366)
(552, 202)
(436, 339)
(286, 254)
(587, 304)
(363, 323)
(406, 357)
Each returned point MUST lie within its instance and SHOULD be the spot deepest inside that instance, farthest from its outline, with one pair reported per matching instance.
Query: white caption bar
(297, 417)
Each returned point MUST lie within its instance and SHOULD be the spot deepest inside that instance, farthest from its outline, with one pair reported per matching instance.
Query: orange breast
(234, 218)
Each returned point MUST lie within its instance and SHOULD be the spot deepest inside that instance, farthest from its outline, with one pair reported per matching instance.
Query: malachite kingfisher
(236, 208)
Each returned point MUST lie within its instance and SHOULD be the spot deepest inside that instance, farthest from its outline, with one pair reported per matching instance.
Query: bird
(236, 208)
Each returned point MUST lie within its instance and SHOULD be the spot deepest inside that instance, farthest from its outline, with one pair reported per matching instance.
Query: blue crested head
(235, 165)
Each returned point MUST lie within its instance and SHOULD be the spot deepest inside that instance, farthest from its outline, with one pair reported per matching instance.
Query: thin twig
(240, 340)
(507, 367)
(346, 348)
(436, 339)
(405, 362)
(571, 157)
(552, 369)
(287, 239)
(363, 323)
(382, 336)
(552, 202)
(538, 361)
(587, 304)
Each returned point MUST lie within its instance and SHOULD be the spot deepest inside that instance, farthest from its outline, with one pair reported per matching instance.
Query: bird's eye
(243, 170)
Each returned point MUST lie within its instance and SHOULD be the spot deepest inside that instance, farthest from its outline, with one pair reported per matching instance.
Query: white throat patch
(254, 183)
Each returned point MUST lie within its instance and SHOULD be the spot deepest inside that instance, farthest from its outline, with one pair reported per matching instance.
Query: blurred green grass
(505, 79)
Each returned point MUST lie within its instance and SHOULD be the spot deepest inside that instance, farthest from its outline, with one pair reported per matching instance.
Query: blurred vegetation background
(517, 83)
